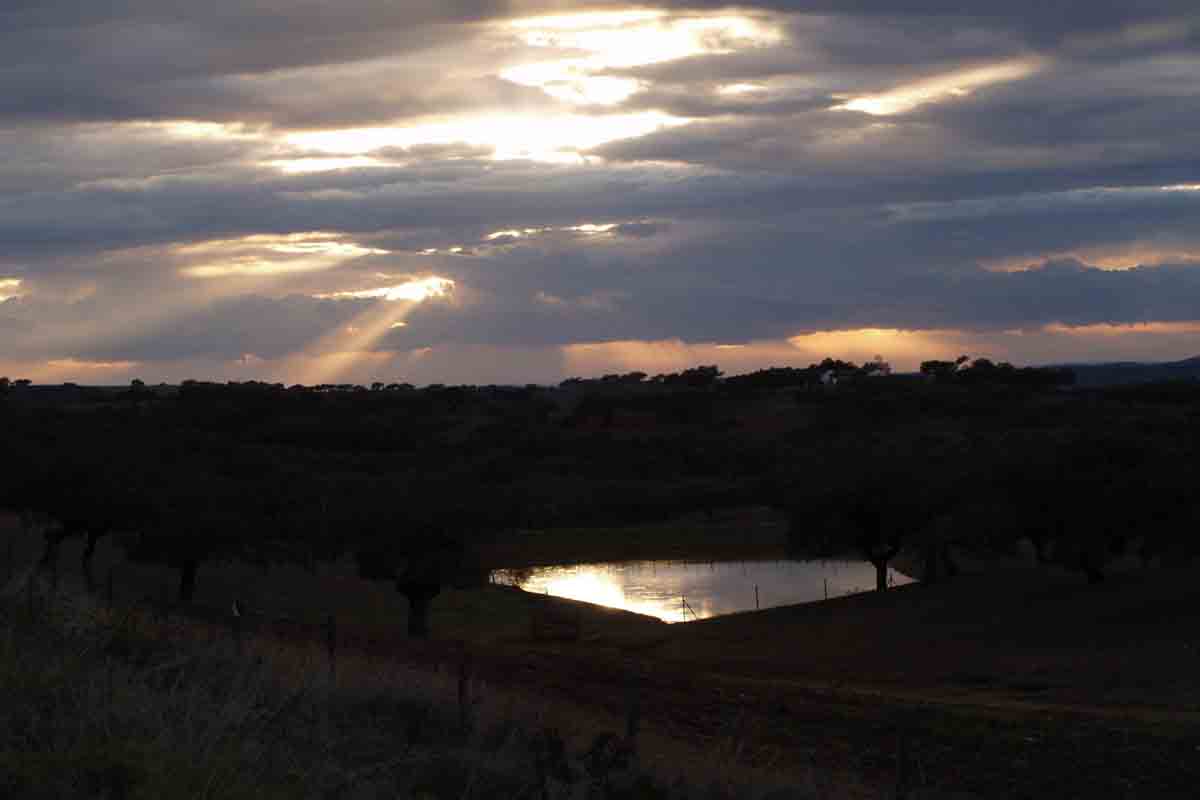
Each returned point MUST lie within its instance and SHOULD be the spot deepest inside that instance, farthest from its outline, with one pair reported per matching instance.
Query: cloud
(189, 184)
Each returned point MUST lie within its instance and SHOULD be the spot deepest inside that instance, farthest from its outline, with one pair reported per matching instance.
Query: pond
(676, 591)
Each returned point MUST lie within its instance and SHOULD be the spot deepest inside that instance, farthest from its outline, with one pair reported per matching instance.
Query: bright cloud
(414, 291)
(551, 138)
(264, 255)
(959, 83)
(9, 288)
(617, 40)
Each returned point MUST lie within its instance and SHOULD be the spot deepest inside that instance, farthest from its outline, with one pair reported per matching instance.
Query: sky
(513, 191)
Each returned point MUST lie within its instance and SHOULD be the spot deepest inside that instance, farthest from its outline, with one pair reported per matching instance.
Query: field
(1010, 683)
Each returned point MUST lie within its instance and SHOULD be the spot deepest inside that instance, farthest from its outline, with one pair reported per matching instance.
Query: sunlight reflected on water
(678, 591)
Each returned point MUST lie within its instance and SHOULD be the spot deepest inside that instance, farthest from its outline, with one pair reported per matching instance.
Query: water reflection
(677, 591)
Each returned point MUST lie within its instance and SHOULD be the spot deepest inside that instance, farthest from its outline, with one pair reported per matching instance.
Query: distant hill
(1126, 372)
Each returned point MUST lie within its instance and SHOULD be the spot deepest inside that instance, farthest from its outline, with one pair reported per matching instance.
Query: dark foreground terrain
(1014, 683)
(257, 590)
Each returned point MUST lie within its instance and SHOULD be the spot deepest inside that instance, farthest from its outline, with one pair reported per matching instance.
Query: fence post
(827, 588)
(331, 647)
(756, 597)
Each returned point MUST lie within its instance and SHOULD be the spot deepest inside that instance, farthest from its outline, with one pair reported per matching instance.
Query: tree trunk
(877, 555)
(881, 574)
(1040, 548)
(187, 582)
(420, 597)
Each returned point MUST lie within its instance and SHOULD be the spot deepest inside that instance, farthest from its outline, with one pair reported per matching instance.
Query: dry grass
(130, 704)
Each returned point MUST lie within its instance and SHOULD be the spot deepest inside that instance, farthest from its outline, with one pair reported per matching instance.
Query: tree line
(408, 481)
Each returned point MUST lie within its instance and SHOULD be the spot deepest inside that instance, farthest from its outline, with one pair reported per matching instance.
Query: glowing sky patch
(1114, 258)
(736, 89)
(943, 87)
(200, 129)
(550, 138)
(68, 366)
(1123, 330)
(300, 166)
(9, 288)
(585, 20)
(905, 347)
(265, 255)
(414, 291)
(608, 41)
(509, 234)
(593, 229)
(587, 229)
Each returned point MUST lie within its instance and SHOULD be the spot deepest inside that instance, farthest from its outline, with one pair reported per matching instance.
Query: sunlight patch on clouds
(198, 129)
(569, 57)
(735, 89)
(550, 138)
(9, 288)
(587, 229)
(903, 348)
(586, 19)
(670, 355)
(266, 255)
(1114, 258)
(618, 40)
(301, 166)
(65, 369)
(513, 233)
(1123, 330)
(414, 291)
(943, 87)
